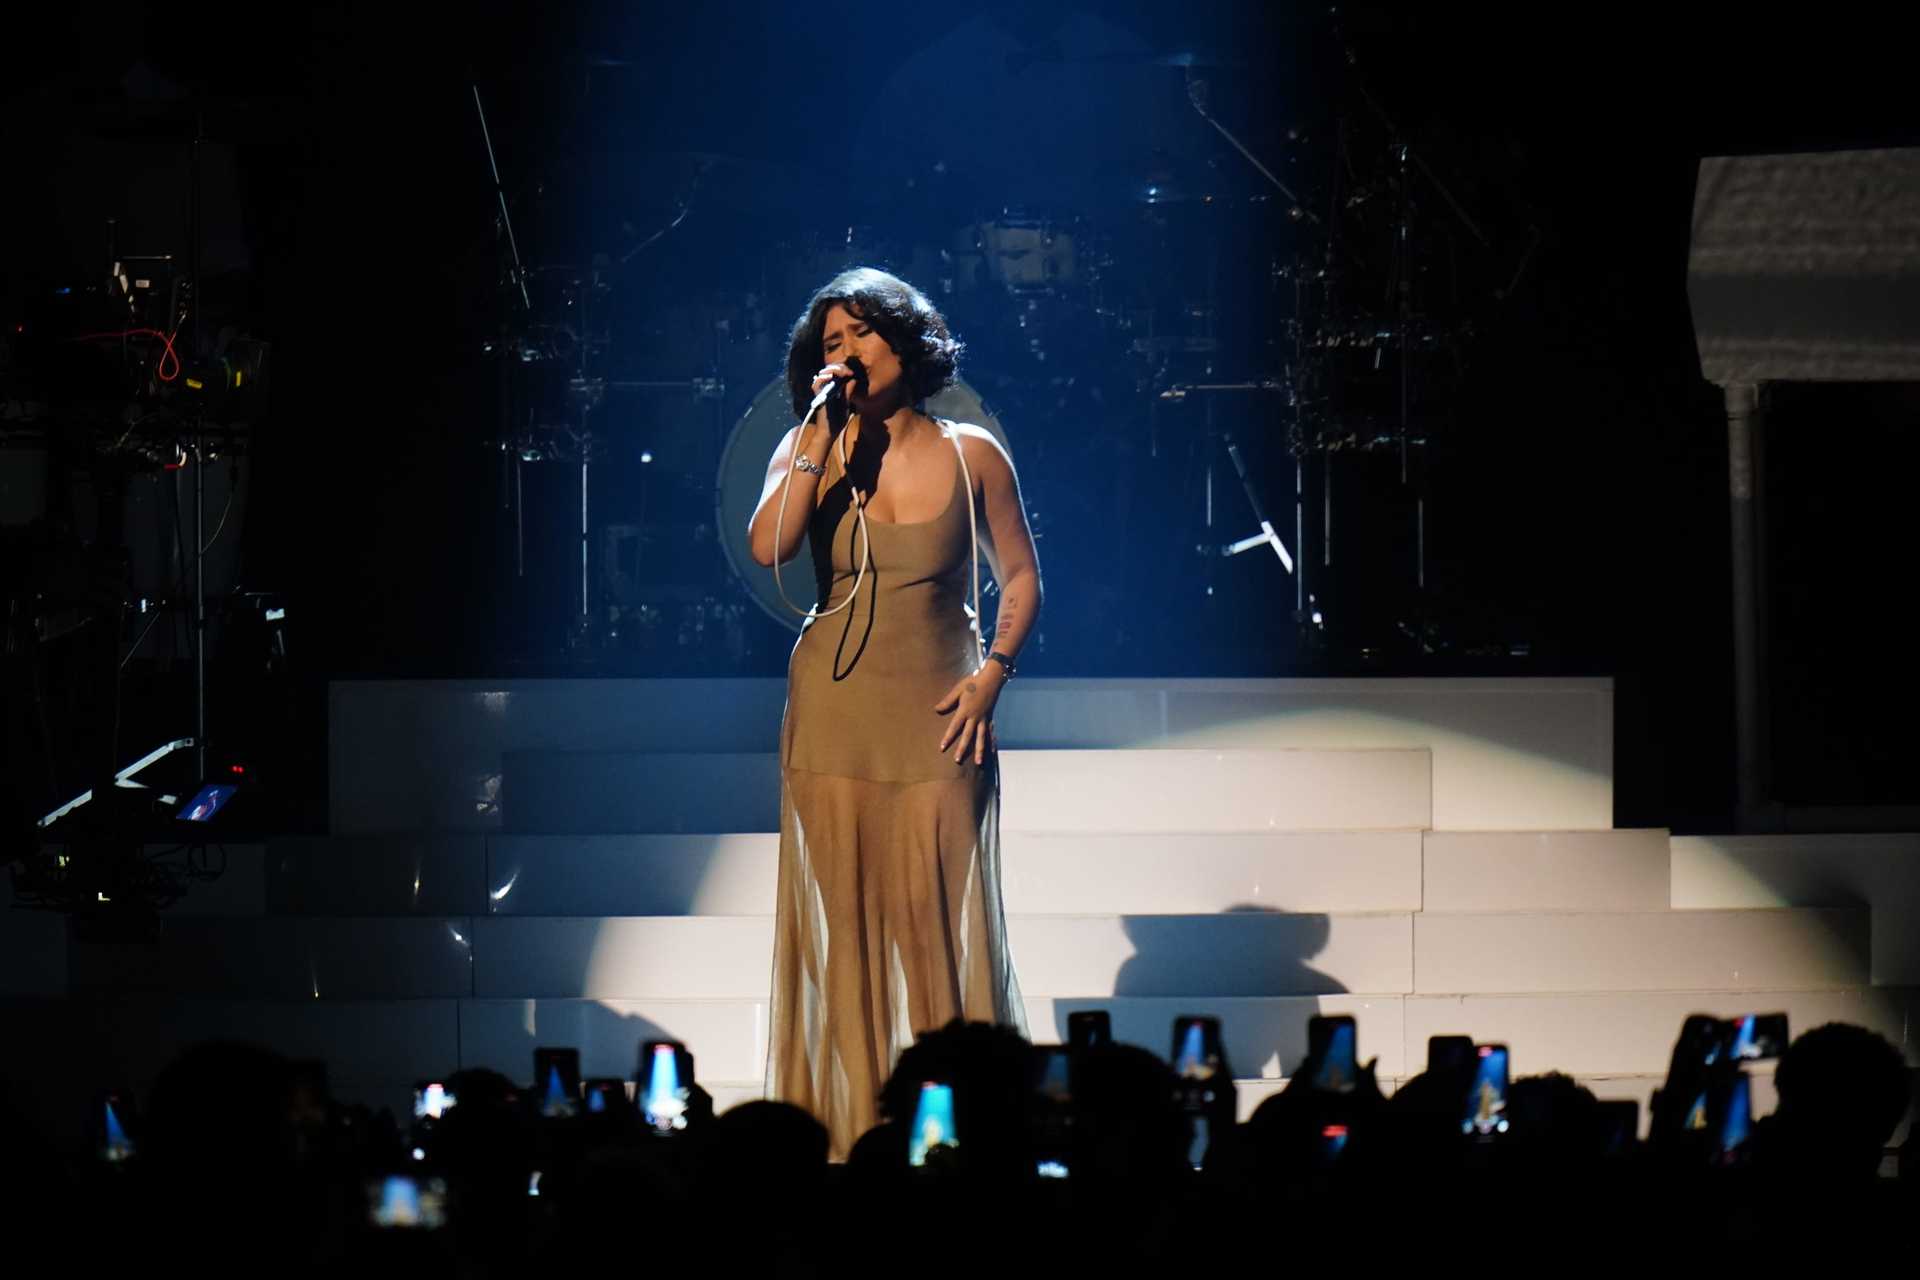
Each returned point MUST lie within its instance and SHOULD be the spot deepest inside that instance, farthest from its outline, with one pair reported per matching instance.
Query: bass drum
(743, 473)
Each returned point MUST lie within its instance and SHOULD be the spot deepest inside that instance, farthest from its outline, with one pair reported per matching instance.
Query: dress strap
(973, 538)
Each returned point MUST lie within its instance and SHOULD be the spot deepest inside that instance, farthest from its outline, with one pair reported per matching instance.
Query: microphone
(837, 389)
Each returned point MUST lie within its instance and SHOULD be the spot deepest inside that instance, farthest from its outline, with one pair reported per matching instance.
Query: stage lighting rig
(117, 855)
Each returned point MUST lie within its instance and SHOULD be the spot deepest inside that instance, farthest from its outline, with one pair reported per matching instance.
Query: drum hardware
(1218, 440)
(1198, 93)
(176, 412)
(1181, 392)
(1176, 345)
(562, 332)
(709, 388)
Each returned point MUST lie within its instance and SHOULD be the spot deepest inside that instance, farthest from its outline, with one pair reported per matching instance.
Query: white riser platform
(377, 875)
(283, 958)
(455, 875)
(1137, 792)
(1617, 1035)
(729, 1037)
(1240, 954)
(1153, 790)
(1813, 871)
(114, 1040)
(1545, 870)
(1251, 1093)
(1042, 873)
(1625, 1034)
(1253, 953)
(1250, 954)
(1641, 951)
(1615, 1045)
(1632, 1033)
(1507, 754)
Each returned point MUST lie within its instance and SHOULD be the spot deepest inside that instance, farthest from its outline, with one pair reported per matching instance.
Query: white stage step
(1264, 1037)
(1617, 1034)
(1632, 1033)
(1804, 948)
(1618, 1044)
(400, 875)
(282, 958)
(1155, 790)
(728, 1038)
(1240, 953)
(1545, 870)
(1507, 754)
(110, 1041)
(1136, 792)
(1237, 954)
(1056, 872)
(1182, 873)
(1042, 873)
(1252, 953)
(1882, 871)
(1250, 1093)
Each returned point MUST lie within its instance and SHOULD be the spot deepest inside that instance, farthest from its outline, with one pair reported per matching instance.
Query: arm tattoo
(1005, 620)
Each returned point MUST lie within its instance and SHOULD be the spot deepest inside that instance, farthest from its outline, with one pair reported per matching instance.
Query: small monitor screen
(208, 801)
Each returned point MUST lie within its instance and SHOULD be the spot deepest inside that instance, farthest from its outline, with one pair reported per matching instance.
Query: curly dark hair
(903, 317)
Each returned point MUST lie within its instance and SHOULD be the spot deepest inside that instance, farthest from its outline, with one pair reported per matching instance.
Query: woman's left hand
(970, 703)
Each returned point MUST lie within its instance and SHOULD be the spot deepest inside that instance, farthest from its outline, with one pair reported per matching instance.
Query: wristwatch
(1003, 660)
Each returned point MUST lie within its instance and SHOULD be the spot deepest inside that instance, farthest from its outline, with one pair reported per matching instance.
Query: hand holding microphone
(830, 388)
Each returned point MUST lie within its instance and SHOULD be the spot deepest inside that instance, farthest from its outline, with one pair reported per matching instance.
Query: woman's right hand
(836, 416)
(828, 374)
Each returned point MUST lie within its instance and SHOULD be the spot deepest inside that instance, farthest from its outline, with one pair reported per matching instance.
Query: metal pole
(199, 607)
(583, 537)
(1749, 703)
(1300, 540)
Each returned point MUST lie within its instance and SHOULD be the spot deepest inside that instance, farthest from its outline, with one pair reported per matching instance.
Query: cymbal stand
(1218, 440)
(1199, 96)
(1405, 159)
(587, 394)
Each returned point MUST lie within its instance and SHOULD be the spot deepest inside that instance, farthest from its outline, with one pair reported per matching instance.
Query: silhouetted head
(1128, 1121)
(221, 1105)
(1556, 1122)
(1421, 1124)
(989, 1068)
(486, 1146)
(1843, 1090)
(776, 1141)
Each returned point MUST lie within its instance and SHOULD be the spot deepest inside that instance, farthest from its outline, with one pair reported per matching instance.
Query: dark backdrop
(1578, 499)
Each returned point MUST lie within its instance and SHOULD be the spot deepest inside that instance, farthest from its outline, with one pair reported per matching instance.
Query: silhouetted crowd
(994, 1157)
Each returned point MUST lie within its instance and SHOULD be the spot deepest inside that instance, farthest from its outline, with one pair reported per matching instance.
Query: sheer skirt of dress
(889, 923)
(888, 920)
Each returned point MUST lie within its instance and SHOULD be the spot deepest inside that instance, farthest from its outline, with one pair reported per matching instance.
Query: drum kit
(1202, 331)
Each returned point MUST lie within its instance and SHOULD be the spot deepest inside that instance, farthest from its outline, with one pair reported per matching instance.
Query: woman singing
(889, 919)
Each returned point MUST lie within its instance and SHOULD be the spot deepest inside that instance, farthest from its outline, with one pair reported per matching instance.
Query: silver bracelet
(805, 463)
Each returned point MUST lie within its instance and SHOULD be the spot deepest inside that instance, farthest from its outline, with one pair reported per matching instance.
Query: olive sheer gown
(889, 919)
